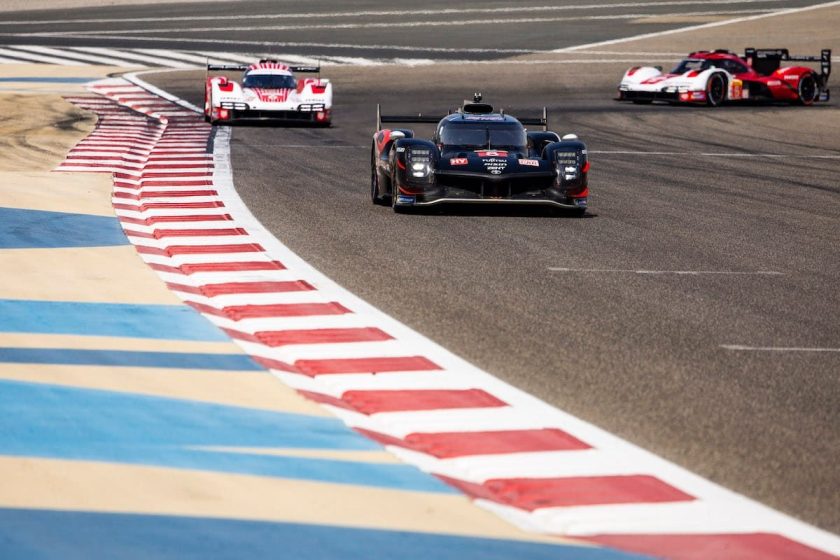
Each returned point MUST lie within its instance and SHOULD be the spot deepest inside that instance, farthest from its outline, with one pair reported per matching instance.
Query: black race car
(477, 155)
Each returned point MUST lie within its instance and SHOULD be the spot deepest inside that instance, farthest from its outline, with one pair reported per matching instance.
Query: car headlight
(420, 162)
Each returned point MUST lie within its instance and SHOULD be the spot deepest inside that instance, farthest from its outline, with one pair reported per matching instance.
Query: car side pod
(413, 165)
(571, 161)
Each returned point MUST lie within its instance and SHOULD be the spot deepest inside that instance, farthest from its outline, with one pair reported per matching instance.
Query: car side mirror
(658, 68)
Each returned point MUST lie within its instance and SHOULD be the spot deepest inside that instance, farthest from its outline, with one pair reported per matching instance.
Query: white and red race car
(269, 92)
(715, 77)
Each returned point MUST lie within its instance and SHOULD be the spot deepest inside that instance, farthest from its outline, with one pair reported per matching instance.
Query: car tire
(375, 197)
(716, 90)
(394, 188)
(807, 90)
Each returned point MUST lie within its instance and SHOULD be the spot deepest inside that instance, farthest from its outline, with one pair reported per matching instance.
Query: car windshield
(269, 81)
(690, 64)
(472, 136)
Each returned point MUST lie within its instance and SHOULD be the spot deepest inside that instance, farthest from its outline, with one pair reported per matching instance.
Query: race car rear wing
(243, 67)
(767, 61)
(434, 119)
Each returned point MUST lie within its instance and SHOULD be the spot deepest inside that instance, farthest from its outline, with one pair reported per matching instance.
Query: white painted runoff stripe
(678, 272)
(24, 56)
(740, 348)
(71, 54)
(771, 13)
(134, 57)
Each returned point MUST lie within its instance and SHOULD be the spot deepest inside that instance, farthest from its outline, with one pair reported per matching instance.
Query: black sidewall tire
(715, 78)
(394, 190)
(811, 84)
(375, 197)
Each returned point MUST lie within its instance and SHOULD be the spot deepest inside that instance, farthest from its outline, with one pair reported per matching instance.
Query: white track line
(697, 27)
(740, 348)
(716, 154)
(677, 272)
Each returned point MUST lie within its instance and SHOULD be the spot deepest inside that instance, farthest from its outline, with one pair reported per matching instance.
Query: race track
(694, 311)
(643, 355)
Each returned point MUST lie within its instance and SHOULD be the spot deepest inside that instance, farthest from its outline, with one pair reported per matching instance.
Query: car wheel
(394, 190)
(375, 197)
(715, 90)
(807, 89)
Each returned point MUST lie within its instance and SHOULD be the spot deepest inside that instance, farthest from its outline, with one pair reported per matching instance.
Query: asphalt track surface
(368, 28)
(695, 244)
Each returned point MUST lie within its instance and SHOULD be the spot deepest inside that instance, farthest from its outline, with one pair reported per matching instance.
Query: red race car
(715, 77)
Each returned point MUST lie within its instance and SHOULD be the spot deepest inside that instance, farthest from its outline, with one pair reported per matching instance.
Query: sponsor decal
(529, 162)
(404, 199)
(736, 89)
(774, 83)
(571, 169)
(495, 165)
(491, 153)
(458, 161)
(791, 77)
(400, 148)
(483, 118)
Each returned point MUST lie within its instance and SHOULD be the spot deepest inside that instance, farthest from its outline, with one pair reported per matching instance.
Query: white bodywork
(310, 99)
(687, 87)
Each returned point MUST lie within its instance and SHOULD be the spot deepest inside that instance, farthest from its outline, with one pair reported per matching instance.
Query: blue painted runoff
(48, 80)
(39, 229)
(50, 421)
(175, 322)
(27, 534)
(129, 358)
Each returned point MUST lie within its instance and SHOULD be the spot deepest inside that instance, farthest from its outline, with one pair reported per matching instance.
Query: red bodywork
(781, 84)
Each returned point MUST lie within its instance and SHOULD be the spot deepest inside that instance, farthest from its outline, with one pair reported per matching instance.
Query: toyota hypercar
(477, 156)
